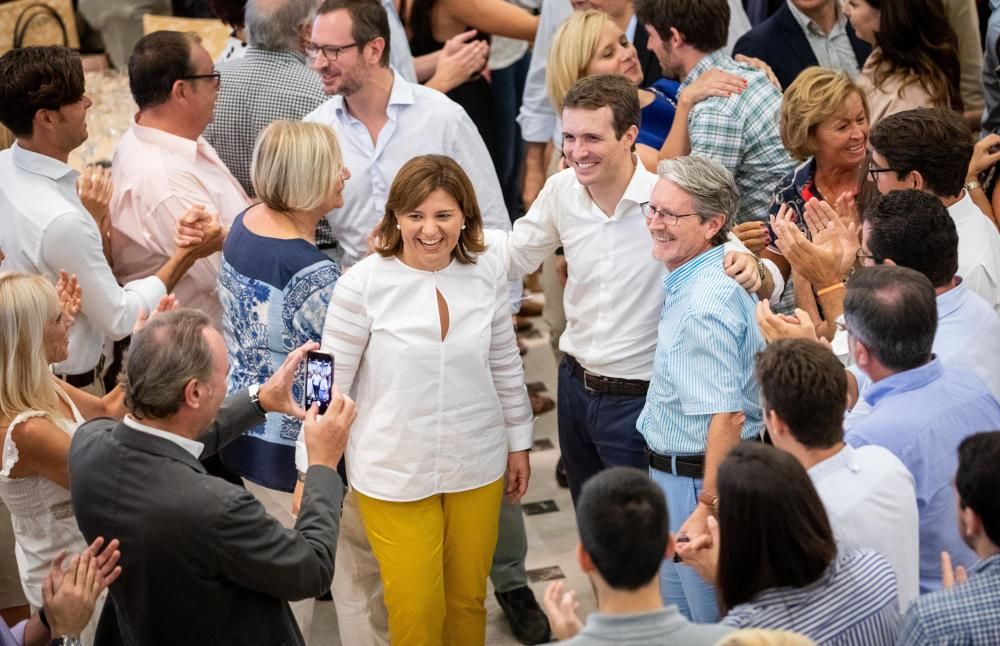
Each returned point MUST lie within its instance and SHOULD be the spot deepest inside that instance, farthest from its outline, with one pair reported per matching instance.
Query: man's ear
(916, 180)
(890, 262)
(194, 393)
(583, 559)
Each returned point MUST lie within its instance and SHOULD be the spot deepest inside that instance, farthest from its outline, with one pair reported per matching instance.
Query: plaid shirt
(741, 133)
(968, 613)
(259, 88)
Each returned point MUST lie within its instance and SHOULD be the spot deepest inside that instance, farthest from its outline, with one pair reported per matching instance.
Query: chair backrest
(213, 33)
(37, 22)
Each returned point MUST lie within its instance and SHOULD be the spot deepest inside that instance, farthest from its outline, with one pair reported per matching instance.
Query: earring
(463, 227)
(397, 226)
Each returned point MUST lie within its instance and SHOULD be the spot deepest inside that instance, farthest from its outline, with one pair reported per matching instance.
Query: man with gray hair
(703, 398)
(198, 542)
(271, 82)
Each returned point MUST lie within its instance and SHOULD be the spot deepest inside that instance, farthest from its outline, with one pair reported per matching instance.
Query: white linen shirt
(433, 416)
(422, 121)
(157, 177)
(614, 292)
(870, 500)
(44, 228)
(978, 250)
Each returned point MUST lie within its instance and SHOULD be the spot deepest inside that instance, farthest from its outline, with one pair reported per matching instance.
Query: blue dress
(658, 116)
(274, 296)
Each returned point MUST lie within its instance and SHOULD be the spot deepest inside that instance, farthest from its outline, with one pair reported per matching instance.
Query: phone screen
(319, 379)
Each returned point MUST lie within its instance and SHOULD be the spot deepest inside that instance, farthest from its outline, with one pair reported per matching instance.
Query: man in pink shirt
(163, 166)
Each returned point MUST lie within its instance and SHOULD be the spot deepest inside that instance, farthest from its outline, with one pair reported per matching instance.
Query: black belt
(686, 466)
(84, 379)
(607, 385)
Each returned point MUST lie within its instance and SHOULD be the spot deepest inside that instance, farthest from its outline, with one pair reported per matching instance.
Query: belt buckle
(586, 385)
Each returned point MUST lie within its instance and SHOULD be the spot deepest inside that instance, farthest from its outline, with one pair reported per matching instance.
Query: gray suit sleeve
(255, 551)
(236, 416)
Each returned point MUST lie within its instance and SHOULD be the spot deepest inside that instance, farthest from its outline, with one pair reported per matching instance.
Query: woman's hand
(753, 235)
(762, 66)
(94, 188)
(560, 607)
(69, 292)
(166, 304)
(518, 474)
(702, 552)
(714, 82)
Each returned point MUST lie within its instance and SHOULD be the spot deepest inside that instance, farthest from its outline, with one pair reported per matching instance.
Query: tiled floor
(552, 535)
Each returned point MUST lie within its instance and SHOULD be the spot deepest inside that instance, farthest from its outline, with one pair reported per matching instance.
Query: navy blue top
(658, 116)
(274, 296)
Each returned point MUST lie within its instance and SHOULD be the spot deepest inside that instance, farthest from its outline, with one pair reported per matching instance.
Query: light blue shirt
(400, 56)
(921, 416)
(704, 363)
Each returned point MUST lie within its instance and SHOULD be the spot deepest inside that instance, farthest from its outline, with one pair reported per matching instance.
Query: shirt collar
(676, 278)
(804, 173)
(170, 142)
(401, 94)
(905, 381)
(718, 58)
(633, 24)
(807, 23)
(961, 210)
(38, 164)
(950, 301)
(639, 187)
(842, 459)
(191, 446)
(275, 54)
(985, 564)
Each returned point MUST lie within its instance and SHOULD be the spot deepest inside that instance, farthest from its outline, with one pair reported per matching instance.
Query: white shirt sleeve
(535, 236)
(465, 145)
(72, 242)
(507, 370)
(537, 117)
(346, 331)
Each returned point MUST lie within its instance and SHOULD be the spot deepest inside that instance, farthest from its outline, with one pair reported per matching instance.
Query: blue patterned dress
(274, 296)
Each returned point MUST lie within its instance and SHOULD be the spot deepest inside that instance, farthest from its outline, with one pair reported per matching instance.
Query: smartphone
(319, 380)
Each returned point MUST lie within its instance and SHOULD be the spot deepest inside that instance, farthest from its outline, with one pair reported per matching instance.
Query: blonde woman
(275, 283)
(38, 416)
(590, 43)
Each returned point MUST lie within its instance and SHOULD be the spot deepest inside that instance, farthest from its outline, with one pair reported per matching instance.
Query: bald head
(276, 24)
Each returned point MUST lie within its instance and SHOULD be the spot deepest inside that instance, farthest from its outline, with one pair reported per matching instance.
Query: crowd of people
(768, 237)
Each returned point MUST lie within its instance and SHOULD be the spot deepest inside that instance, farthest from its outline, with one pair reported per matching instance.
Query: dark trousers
(596, 431)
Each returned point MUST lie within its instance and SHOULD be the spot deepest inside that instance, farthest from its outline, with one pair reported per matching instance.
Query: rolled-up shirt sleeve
(537, 117)
(72, 242)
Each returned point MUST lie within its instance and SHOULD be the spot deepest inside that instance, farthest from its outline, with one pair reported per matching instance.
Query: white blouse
(433, 416)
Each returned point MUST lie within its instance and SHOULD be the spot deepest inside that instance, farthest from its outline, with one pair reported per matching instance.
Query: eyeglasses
(861, 256)
(215, 76)
(669, 218)
(330, 52)
(874, 170)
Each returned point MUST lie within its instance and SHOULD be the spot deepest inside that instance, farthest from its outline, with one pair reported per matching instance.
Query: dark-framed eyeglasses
(330, 52)
(862, 257)
(215, 76)
(873, 171)
(669, 218)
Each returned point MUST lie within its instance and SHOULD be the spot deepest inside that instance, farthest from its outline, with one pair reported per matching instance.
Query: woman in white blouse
(422, 339)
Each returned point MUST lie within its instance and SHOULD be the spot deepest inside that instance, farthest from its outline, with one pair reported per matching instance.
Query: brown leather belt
(607, 385)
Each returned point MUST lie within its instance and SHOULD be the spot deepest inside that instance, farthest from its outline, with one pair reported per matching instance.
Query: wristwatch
(254, 392)
(707, 499)
(971, 186)
(66, 640)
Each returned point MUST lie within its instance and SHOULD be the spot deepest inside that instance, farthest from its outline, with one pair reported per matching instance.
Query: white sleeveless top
(40, 510)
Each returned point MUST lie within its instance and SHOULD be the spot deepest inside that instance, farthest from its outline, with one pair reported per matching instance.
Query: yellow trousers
(435, 555)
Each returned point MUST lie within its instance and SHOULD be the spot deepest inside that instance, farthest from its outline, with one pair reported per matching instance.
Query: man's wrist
(254, 392)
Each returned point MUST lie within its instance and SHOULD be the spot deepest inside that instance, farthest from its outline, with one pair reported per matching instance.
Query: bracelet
(830, 288)
(971, 186)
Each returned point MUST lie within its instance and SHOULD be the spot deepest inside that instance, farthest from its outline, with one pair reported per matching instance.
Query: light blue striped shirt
(704, 363)
(852, 603)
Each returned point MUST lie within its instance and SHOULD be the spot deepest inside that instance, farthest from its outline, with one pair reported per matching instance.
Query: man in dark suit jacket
(202, 562)
(781, 42)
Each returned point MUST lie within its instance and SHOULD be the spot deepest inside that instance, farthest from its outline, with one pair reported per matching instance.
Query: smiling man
(613, 299)
(703, 397)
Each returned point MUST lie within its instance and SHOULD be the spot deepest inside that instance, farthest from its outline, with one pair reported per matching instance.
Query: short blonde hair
(761, 637)
(572, 48)
(813, 97)
(26, 305)
(296, 165)
(417, 179)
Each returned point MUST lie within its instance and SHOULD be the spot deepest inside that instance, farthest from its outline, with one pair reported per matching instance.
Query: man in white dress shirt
(613, 295)
(163, 166)
(929, 149)
(382, 121)
(868, 493)
(45, 226)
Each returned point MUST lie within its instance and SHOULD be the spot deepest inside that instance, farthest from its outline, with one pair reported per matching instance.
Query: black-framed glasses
(873, 171)
(215, 76)
(669, 218)
(330, 52)
(862, 257)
